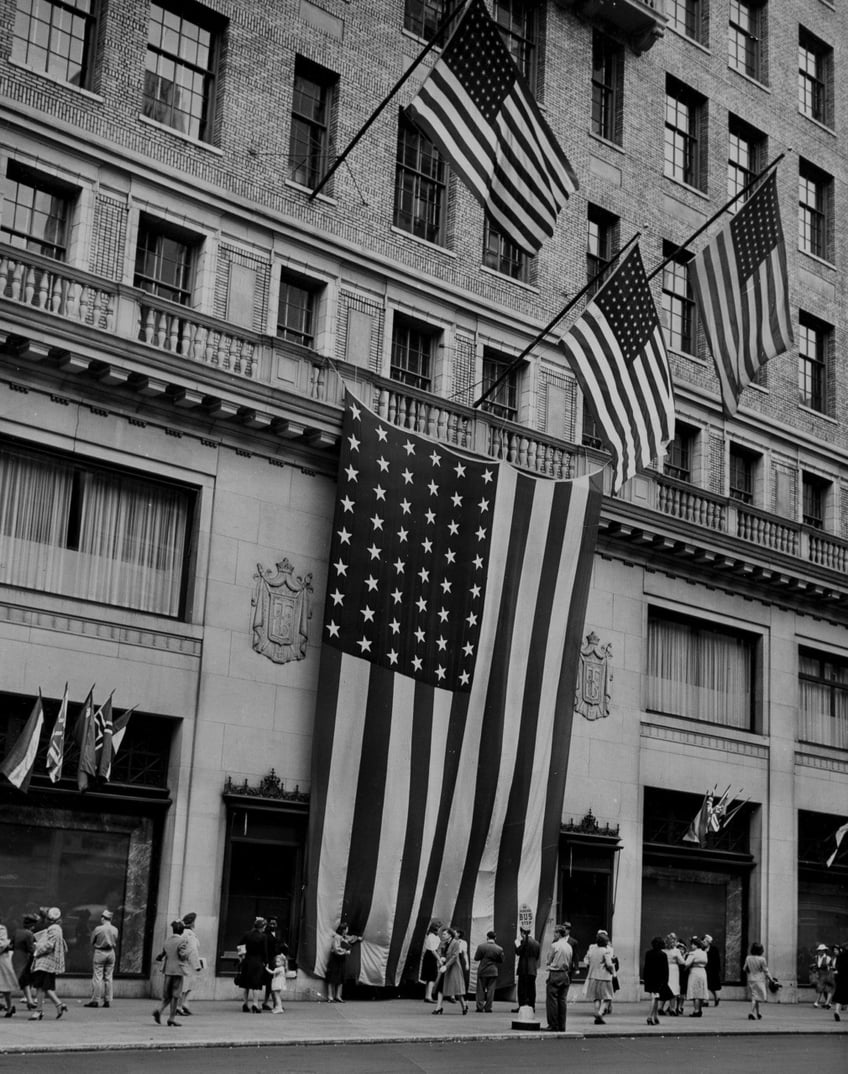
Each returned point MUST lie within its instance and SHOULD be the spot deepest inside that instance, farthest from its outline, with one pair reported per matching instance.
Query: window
(823, 681)
(742, 470)
(413, 346)
(592, 435)
(312, 104)
(518, 21)
(420, 185)
(503, 402)
(687, 17)
(747, 37)
(700, 671)
(502, 255)
(607, 81)
(296, 310)
(814, 342)
(679, 453)
(815, 78)
(814, 494)
(422, 17)
(92, 533)
(36, 212)
(180, 70)
(601, 243)
(678, 302)
(746, 153)
(164, 261)
(814, 196)
(685, 113)
(56, 37)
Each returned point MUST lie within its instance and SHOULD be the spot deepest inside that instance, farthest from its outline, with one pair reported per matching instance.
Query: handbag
(615, 984)
(774, 985)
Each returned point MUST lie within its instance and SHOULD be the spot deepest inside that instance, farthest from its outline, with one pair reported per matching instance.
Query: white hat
(821, 946)
(54, 913)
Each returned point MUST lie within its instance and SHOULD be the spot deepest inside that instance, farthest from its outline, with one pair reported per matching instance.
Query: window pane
(55, 37)
(179, 73)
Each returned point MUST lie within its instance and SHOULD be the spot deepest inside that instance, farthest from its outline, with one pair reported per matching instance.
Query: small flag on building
(84, 734)
(103, 737)
(838, 836)
(741, 289)
(56, 746)
(119, 729)
(18, 764)
(477, 108)
(617, 352)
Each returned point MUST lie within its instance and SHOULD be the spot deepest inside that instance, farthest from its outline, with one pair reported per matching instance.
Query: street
(694, 1055)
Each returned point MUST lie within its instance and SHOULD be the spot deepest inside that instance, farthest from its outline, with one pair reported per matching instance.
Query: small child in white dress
(278, 984)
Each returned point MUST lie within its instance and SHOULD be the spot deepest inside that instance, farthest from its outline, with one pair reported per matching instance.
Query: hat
(30, 919)
(707, 938)
(821, 946)
(189, 919)
(106, 915)
(259, 923)
(54, 913)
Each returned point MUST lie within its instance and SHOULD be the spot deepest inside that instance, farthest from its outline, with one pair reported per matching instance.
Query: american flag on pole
(617, 352)
(741, 289)
(476, 106)
(456, 596)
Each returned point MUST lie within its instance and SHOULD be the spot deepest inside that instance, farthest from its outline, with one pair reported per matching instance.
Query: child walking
(278, 984)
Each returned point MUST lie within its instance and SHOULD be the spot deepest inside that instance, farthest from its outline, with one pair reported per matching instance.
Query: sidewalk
(129, 1024)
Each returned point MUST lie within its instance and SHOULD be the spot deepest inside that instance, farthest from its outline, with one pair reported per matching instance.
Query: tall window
(815, 77)
(607, 81)
(312, 104)
(742, 464)
(814, 194)
(823, 682)
(422, 17)
(503, 402)
(114, 537)
(814, 338)
(164, 262)
(502, 255)
(592, 434)
(679, 454)
(36, 211)
(601, 242)
(180, 70)
(519, 23)
(296, 310)
(700, 671)
(678, 302)
(684, 118)
(814, 492)
(746, 152)
(420, 185)
(687, 17)
(413, 347)
(746, 38)
(56, 37)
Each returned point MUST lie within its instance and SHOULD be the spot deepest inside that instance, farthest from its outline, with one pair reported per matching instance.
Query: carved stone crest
(282, 608)
(592, 696)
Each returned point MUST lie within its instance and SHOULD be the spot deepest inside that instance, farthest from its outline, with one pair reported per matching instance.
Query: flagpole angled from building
(448, 17)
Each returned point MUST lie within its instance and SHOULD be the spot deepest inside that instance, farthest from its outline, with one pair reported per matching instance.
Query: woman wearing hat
(48, 963)
(255, 964)
(823, 977)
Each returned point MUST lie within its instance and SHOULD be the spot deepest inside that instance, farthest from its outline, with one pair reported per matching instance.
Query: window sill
(424, 242)
(818, 123)
(606, 142)
(750, 78)
(523, 284)
(692, 723)
(817, 413)
(689, 357)
(147, 121)
(328, 199)
(818, 260)
(98, 98)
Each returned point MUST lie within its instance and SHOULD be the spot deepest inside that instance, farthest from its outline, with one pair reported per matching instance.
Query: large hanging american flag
(617, 352)
(456, 596)
(741, 289)
(476, 106)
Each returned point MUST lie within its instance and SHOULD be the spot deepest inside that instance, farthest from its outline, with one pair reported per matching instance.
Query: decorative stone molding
(594, 676)
(588, 825)
(269, 787)
(705, 740)
(282, 608)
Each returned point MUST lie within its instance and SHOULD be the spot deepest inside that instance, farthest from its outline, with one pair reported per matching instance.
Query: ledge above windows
(640, 22)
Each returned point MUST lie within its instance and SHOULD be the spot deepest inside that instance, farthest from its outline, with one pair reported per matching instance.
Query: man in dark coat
(528, 951)
(490, 955)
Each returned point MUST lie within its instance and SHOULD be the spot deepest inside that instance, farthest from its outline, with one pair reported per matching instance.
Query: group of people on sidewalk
(30, 960)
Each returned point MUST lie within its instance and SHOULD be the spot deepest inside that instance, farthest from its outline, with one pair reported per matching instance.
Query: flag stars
(394, 626)
(478, 563)
(354, 443)
(471, 619)
(377, 522)
(355, 412)
(459, 470)
(352, 474)
(430, 517)
(450, 556)
(441, 643)
(333, 629)
(427, 545)
(405, 506)
(424, 575)
(364, 645)
(383, 464)
(380, 492)
(444, 615)
(481, 534)
(456, 500)
(341, 567)
(381, 434)
(337, 597)
(399, 566)
(421, 604)
(483, 504)
(347, 504)
(409, 447)
(397, 596)
(475, 591)
(392, 657)
(468, 649)
(487, 476)
(464, 679)
(434, 488)
(367, 614)
(446, 585)
(372, 583)
(374, 552)
(417, 663)
(453, 528)
(402, 534)
(440, 673)
(420, 636)
(436, 459)
(407, 476)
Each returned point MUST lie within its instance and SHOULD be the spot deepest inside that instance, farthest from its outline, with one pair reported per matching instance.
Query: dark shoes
(599, 1021)
(61, 1009)
(106, 1003)
(94, 1004)
(171, 1022)
(157, 1017)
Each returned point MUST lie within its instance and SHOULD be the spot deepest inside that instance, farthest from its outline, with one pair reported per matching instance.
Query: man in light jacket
(174, 957)
(104, 945)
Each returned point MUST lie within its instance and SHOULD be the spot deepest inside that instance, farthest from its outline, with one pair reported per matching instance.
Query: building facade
(171, 298)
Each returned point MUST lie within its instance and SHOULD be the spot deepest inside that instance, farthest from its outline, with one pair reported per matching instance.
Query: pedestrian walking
(823, 976)
(713, 968)
(599, 975)
(340, 947)
(48, 963)
(655, 977)
(451, 984)
(104, 945)
(23, 952)
(490, 955)
(174, 959)
(196, 963)
(278, 984)
(8, 979)
(276, 946)
(430, 961)
(758, 976)
(840, 995)
(559, 962)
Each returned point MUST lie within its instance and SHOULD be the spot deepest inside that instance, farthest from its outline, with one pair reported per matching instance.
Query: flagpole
(715, 216)
(553, 323)
(431, 44)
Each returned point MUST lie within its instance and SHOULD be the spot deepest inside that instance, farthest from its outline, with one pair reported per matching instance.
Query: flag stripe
(56, 746)
(17, 765)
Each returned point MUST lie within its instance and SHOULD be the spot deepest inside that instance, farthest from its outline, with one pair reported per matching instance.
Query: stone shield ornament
(594, 678)
(282, 608)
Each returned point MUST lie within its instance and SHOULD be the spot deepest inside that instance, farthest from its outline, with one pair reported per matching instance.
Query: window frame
(602, 228)
(86, 62)
(420, 341)
(678, 301)
(815, 210)
(505, 401)
(684, 142)
(741, 172)
(155, 285)
(521, 25)
(747, 38)
(815, 86)
(20, 175)
(306, 335)
(687, 18)
(422, 17)
(813, 361)
(607, 82)
(826, 684)
(502, 255)
(742, 491)
(679, 459)
(815, 497)
(319, 128)
(429, 225)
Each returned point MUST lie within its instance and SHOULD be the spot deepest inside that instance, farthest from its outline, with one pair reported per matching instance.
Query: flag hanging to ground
(477, 108)
(17, 766)
(617, 352)
(455, 603)
(84, 733)
(741, 289)
(56, 746)
(838, 836)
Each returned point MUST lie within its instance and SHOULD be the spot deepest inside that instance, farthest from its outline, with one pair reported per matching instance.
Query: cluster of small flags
(97, 733)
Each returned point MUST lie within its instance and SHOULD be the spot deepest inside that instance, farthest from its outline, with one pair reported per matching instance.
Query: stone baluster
(17, 281)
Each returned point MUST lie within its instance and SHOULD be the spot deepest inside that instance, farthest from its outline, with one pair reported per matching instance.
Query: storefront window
(822, 888)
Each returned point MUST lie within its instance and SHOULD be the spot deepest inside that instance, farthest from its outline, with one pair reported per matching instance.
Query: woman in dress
(48, 963)
(254, 965)
(840, 996)
(757, 973)
(8, 980)
(23, 949)
(340, 947)
(655, 977)
(675, 961)
(696, 983)
(599, 974)
(430, 961)
(452, 981)
(713, 968)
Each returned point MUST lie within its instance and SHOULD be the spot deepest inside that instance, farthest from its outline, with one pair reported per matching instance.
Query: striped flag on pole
(476, 106)
(455, 604)
(18, 763)
(56, 746)
(103, 737)
(84, 733)
(119, 729)
(741, 289)
(838, 836)
(617, 352)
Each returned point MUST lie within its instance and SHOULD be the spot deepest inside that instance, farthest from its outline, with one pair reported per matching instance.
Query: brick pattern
(109, 238)
(228, 255)
(349, 300)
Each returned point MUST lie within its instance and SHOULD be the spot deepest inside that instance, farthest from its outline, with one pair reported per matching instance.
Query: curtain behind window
(817, 700)
(35, 498)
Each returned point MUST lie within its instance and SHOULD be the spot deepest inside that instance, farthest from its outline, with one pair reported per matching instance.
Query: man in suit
(528, 950)
(490, 955)
(174, 957)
